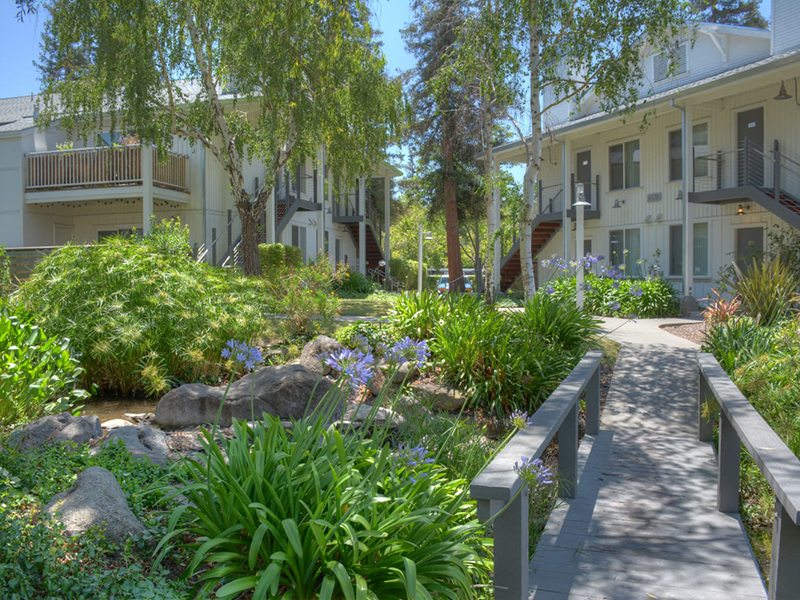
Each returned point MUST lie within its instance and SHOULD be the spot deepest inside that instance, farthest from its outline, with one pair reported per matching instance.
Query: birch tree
(301, 73)
(575, 48)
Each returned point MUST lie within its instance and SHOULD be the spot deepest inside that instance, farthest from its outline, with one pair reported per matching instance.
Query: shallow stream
(116, 408)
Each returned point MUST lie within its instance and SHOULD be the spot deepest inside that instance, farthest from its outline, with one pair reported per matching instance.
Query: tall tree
(437, 130)
(731, 12)
(575, 49)
(305, 72)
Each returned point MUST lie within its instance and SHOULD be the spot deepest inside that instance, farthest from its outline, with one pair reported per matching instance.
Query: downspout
(686, 142)
(205, 206)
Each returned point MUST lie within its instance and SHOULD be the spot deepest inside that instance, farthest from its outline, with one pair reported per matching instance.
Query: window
(699, 251)
(587, 247)
(666, 65)
(327, 243)
(625, 250)
(338, 250)
(624, 165)
(700, 144)
(128, 232)
(299, 239)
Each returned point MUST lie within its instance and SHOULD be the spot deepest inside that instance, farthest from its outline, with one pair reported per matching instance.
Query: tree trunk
(251, 265)
(533, 158)
(478, 283)
(490, 293)
(454, 267)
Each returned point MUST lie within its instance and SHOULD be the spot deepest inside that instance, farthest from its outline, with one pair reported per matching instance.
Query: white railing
(100, 167)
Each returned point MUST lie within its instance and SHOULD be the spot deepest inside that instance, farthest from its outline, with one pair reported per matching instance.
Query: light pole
(428, 236)
(579, 206)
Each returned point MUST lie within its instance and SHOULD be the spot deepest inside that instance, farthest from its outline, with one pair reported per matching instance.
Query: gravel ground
(694, 332)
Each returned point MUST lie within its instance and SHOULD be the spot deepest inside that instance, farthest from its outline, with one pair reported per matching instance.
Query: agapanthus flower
(354, 366)
(408, 458)
(243, 355)
(613, 306)
(519, 419)
(360, 342)
(549, 290)
(588, 286)
(545, 263)
(632, 317)
(535, 472)
(636, 291)
(407, 350)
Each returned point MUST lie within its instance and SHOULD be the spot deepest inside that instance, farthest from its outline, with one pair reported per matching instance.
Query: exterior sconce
(618, 203)
(782, 95)
(740, 210)
(679, 195)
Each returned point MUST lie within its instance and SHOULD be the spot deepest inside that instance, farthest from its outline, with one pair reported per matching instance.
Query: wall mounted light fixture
(740, 210)
(618, 203)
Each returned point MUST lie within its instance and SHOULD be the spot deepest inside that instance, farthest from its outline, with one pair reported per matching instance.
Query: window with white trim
(669, 65)
(624, 162)
(625, 249)
(699, 250)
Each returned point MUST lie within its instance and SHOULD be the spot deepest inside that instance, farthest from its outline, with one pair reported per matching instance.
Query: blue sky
(19, 43)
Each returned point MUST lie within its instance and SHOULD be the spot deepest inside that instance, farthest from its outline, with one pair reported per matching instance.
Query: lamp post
(428, 236)
(579, 206)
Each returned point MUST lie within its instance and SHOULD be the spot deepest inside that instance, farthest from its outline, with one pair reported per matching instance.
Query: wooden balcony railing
(101, 167)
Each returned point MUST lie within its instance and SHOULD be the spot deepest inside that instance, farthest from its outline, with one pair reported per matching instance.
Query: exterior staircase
(511, 265)
(373, 247)
(740, 176)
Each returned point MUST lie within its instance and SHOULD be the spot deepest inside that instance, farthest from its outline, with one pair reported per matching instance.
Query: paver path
(644, 523)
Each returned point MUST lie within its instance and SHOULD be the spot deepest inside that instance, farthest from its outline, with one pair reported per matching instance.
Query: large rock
(96, 500)
(313, 351)
(356, 414)
(405, 373)
(440, 397)
(284, 391)
(142, 442)
(56, 428)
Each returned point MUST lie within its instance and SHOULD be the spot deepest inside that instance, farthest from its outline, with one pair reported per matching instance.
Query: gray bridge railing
(499, 488)
(740, 423)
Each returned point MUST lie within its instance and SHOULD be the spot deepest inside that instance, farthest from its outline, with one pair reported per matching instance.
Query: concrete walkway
(644, 523)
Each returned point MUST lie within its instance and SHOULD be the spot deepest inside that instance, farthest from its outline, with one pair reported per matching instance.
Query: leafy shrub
(304, 295)
(141, 316)
(738, 341)
(784, 246)
(415, 315)
(611, 296)
(5, 274)
(310, 511)
(544, 320)
(353, 281)
(767, 289)
(376, 335)
(277, 256)
(38, 374)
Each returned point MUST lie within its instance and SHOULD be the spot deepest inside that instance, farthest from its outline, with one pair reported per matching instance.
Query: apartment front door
(584, 174)
(750, 127)
(749, 245)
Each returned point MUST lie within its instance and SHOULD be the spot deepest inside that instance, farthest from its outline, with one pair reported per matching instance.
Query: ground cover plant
(142, 315)
(39, 374)
(608, 292)
(37, 559)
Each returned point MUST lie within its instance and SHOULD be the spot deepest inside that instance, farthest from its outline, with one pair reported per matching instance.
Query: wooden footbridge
(649, 509)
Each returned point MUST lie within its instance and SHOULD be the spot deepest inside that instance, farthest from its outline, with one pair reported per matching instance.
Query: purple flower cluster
(241, 354)
(519, 419)
(411, 351)
(613, 306)
(407, 458)
(354, 366)
(361, 343)
(549, 290)
(636, 291)
(533, 471)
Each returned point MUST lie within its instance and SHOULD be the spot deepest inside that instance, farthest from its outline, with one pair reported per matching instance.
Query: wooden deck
(644, 523)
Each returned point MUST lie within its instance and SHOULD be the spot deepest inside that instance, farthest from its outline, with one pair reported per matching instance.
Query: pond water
(115, 408)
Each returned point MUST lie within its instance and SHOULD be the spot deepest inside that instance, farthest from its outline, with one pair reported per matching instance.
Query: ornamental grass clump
(324, 511)
(140, 313)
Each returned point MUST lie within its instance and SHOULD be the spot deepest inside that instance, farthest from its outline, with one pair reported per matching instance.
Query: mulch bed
(694, 332)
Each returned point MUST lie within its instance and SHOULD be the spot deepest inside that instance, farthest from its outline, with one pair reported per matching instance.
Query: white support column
(496, 247)
(687, 117)
(362, 225)
(387, 221)
(147, 187)
(332, 234)
(320, 183)
(269, 223)
(566, 193)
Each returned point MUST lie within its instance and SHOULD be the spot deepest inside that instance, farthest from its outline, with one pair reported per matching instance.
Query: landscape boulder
(284, 391)
(406, 373)
(56, 428)
(440, 396)
(356, 414)
(96, 500)
(142, 442)
(312, 352)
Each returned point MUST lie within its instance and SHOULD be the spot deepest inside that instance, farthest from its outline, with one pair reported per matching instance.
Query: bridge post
(511, 549)
(704, 425)
(784, 576)
(568, 453)
(776, 171)
(729, 452)
(593, 403)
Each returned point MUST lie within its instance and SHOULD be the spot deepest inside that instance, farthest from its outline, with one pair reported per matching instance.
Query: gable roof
(16, 114)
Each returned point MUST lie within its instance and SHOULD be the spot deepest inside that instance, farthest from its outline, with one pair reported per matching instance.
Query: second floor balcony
(102, 167)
